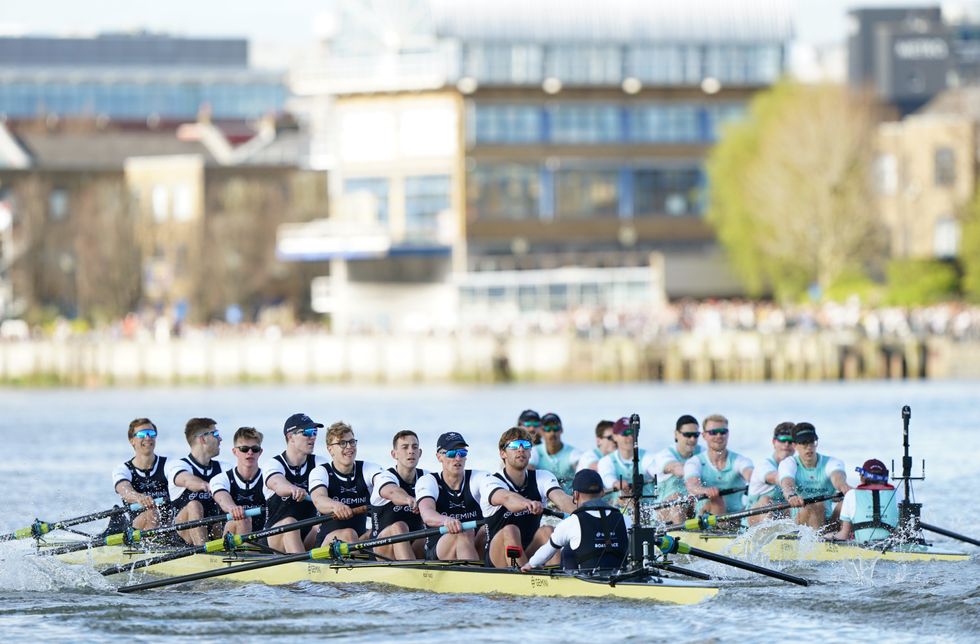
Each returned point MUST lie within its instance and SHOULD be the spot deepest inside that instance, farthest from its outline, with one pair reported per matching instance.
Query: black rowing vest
(526, 522)
(351, 490)
(152, 482)
(203, 472)
(604, 540)
(458, 504)
(385, 515)
(280, 508)
(248, 494)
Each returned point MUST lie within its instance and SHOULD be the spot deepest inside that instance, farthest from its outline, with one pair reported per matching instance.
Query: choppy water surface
(59, 447)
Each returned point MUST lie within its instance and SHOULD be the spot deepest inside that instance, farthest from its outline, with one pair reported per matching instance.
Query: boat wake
(22, 570)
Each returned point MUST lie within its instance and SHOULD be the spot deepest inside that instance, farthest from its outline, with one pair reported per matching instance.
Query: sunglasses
(309, 432)
(627, 432)
(609, 437)
(804, 443)
(784, 439)
(721, 431)
(551, 428)
(519, 443)
(344, 444)
(453, 453)
(145, 433)
(688, 434)
(213, 432)
(245, 449)
(531, 423)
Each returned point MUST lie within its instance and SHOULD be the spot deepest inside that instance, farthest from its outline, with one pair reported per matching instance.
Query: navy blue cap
(587, 481)
(804, 433)
(551, 418)
(451, 440)
(528, 414)
(299, 421)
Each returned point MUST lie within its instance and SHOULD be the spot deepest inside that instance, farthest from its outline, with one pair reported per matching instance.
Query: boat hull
(439, 577)
(790, 548)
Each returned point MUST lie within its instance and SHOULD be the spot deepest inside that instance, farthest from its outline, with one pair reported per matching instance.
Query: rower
(606, 541)
(555, 456)
(287, 483)
(764, 487)
(394, 509)
(616, 467)
(530, 420)
(717, 468)
(668, 467)
(809, 474)
(189, 478)
(341, 485)
(512, 500)
(869, 510)
(141, 479)
(604, 444)
(449, 498)
(241, 487)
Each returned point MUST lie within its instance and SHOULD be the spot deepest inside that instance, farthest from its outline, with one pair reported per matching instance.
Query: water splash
(21, 569)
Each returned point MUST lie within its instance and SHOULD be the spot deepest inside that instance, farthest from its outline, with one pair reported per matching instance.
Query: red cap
(621, 425)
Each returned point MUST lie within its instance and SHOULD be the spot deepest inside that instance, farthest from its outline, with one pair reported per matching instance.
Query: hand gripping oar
(670, 545)
(695, 497)
(226, 544)
(948, 533)
(711, 520)
(331, 551)
(40, 528)
(133, 536)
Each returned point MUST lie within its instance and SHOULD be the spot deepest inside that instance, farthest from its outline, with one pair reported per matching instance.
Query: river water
(59, 447)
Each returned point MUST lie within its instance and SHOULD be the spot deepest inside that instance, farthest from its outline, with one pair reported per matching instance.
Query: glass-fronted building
(134, 77)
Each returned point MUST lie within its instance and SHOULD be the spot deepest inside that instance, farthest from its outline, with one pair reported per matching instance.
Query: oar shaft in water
(41, 528)
(948, 533)
(671, 545)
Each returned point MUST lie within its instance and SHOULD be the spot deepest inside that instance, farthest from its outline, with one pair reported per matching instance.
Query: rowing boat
(432, 576)
(790, 547)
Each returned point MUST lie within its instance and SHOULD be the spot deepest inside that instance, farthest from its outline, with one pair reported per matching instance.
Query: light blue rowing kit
(727, 478)
(669, 485)
(875, 514)
(562, 465)
(814, 481)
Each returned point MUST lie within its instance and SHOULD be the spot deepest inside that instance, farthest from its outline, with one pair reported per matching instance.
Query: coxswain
(190, 477)
(809, 474)
(870, 510)
(594, 537)
(668, 467)
(604, 444)
(449, 498)
(287, 484)
(717, 468)
(394, 509)
(764, 487)
(341, 485)
(241, 487)
(141, 479)
(513, 499)
(553, 455)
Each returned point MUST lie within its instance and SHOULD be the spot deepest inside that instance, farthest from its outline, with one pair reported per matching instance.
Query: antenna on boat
(642, 539)
(909, 513)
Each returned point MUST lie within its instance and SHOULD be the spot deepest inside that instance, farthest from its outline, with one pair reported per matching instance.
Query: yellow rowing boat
(439, 577)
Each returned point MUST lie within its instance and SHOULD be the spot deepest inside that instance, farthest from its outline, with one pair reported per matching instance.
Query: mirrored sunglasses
(309, 432)
(145, 433)
(720, 431)
(550, 428)
(519, 443)
(453, 453)
(688, 434)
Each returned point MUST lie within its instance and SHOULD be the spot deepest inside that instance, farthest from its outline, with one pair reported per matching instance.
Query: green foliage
(970, 250)
(789, 197)
(855, 283)
(913, 282)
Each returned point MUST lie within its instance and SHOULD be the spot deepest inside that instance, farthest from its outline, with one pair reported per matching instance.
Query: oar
(948, 533)
(227, 543)
(671, 545)
(711, 520)
(331, 551)
(695, 497)
(40, 528)
(132, 536)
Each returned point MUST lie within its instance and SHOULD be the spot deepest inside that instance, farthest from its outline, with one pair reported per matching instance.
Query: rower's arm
(396, 495)
(513, 501)
(430, 516)
(190, 482)
(675, 468)
(324, 503)
(128, 494)
(563, 501)
(278, 484)
(839, 480)
(224, 501)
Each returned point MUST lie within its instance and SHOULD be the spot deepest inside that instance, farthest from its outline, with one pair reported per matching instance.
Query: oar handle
(691, 498)
(132, 536)
(711, 520)
(339, 549)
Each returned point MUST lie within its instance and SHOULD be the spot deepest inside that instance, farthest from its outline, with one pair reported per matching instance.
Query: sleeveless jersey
(604, 541)
(385, 515)
(351, 490)
(624, 471)
(727, 478)
(774, 493)
(248, 494)
(279, 508)
(204, 473)
(562, 465)
(152, 482)
(875, 514)
(670, 484)
(526, 522)
(458, 504)
(814, 481)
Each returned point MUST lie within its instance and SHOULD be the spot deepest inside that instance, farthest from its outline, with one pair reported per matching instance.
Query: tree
(790, 195)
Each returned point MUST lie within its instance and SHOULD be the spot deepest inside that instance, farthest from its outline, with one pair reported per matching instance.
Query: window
(946, 238)
(667, 191)
(425, 198)
(183, 203)
(58, 204)
(586, 124)
(503, 191)
(945, 163)
(376, 187)
(885, 171)
(585, 64)
(587, 193)
(505, 124)
(677, 123)
(160, 198)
